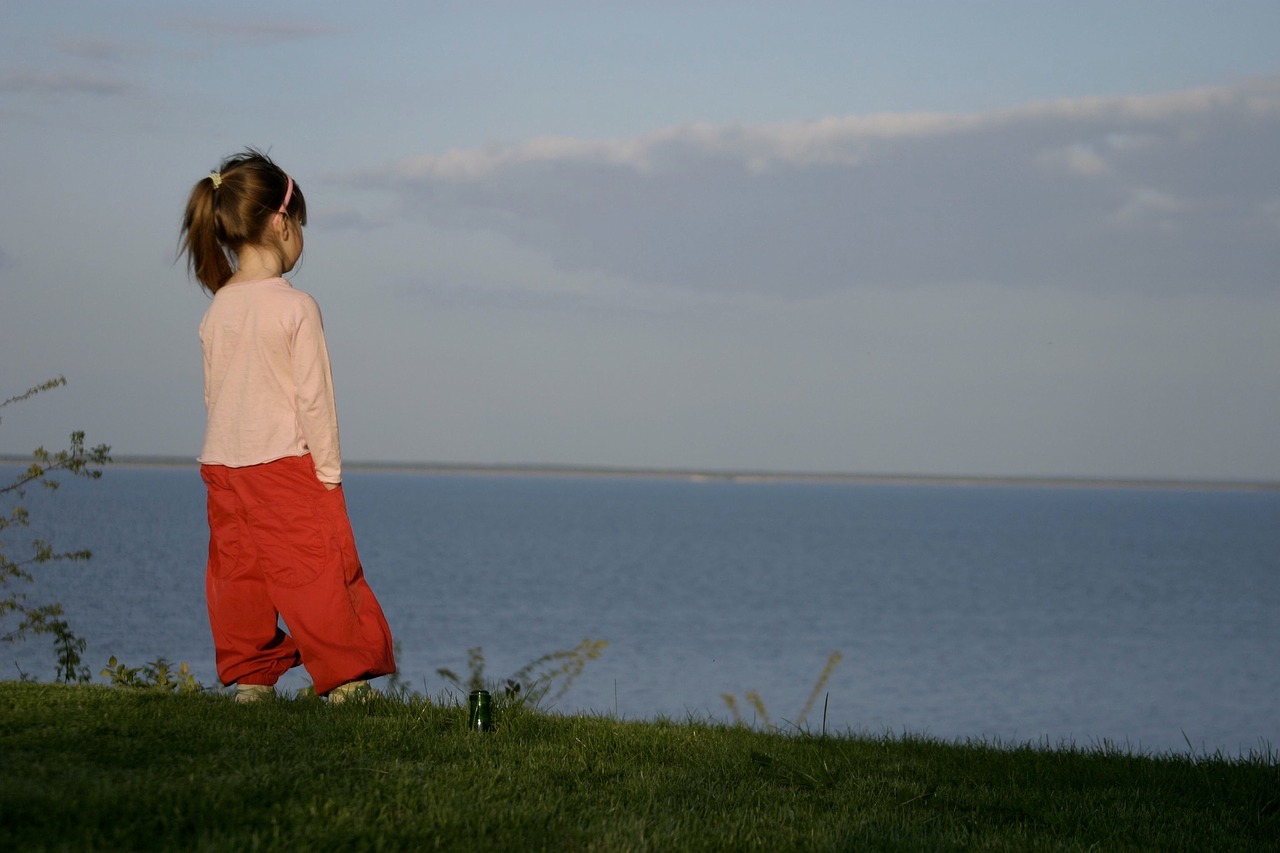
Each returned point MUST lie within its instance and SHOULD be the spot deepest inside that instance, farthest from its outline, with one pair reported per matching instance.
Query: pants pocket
(292, 539)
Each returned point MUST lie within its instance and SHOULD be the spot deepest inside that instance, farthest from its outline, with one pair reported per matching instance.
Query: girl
(280, 543)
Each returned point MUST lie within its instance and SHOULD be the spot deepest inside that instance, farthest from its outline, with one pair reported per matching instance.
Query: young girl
(280, 543)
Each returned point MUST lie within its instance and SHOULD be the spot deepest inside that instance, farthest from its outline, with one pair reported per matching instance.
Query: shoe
(254, 692)
(352, 691)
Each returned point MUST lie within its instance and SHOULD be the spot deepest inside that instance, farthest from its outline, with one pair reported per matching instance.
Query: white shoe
(254, 692)
(352, 691)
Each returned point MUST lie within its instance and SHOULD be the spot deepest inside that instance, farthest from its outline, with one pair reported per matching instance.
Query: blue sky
(920, 237)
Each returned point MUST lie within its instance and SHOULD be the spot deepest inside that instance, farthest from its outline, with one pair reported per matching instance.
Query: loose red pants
(281, 547)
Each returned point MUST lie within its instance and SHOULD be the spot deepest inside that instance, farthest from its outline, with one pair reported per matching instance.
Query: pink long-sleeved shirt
(268, 388)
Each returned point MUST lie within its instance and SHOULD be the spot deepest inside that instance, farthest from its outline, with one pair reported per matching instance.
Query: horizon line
(731, 475)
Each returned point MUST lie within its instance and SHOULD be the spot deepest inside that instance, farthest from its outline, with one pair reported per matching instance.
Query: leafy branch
(76, 460)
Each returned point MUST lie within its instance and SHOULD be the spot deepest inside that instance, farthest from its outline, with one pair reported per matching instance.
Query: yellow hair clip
(216, 177)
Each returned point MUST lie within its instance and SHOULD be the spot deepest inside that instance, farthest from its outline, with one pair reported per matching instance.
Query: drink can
(481, 708)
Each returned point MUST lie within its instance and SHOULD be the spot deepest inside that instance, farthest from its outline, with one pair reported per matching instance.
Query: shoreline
(448, 469)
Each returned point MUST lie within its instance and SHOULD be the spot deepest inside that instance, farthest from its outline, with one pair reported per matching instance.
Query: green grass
(103, 769)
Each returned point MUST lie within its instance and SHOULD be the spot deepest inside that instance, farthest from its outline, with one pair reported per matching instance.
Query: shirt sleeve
(315, 404)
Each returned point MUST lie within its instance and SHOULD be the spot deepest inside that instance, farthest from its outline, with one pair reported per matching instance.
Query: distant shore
(718, 476)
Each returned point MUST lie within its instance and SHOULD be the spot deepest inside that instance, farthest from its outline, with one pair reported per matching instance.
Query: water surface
(1141, 617)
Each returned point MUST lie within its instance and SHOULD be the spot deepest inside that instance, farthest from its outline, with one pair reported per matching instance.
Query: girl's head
(249, 201)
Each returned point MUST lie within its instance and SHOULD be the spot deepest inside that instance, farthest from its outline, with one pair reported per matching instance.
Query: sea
(1136, 617)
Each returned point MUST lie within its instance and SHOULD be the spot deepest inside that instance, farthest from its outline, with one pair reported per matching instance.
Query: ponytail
(230, 209)
(206, 258)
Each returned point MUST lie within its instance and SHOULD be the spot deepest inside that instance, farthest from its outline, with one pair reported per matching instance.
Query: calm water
(1143, 617)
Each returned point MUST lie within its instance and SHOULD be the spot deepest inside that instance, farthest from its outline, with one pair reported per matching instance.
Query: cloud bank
(1169, 193)
(26, 82)
(255, 30)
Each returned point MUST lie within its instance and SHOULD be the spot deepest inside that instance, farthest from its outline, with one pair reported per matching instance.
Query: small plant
(756, 703)
(161, 675)
(76, 460)
(156, 675)
(762, 713)
(122, 676)
(532, 683)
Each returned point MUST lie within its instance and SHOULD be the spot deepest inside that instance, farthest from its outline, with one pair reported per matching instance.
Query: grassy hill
(98, 768)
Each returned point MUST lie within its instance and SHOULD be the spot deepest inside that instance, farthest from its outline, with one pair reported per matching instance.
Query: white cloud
(889, 200)
(1148, 205)
(838, 139)
(1125, 142)
(1077, 159)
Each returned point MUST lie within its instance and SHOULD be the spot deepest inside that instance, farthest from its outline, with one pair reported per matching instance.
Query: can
(481, 711)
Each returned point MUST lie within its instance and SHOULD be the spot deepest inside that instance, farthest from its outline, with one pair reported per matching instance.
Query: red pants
(281, 546)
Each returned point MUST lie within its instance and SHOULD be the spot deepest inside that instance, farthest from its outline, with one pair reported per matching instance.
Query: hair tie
(288, 195)
(216, 177)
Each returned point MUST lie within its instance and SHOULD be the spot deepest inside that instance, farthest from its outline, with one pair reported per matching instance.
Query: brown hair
(230, 209)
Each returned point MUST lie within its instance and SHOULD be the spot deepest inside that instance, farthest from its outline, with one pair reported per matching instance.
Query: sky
(927, 238)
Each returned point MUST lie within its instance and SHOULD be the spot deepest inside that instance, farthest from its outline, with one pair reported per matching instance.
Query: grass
(97, 768)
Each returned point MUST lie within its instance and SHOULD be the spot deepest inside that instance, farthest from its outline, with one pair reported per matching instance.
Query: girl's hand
(330, 486)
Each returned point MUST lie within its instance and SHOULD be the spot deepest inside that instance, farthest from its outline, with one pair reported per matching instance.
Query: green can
(481, 716)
